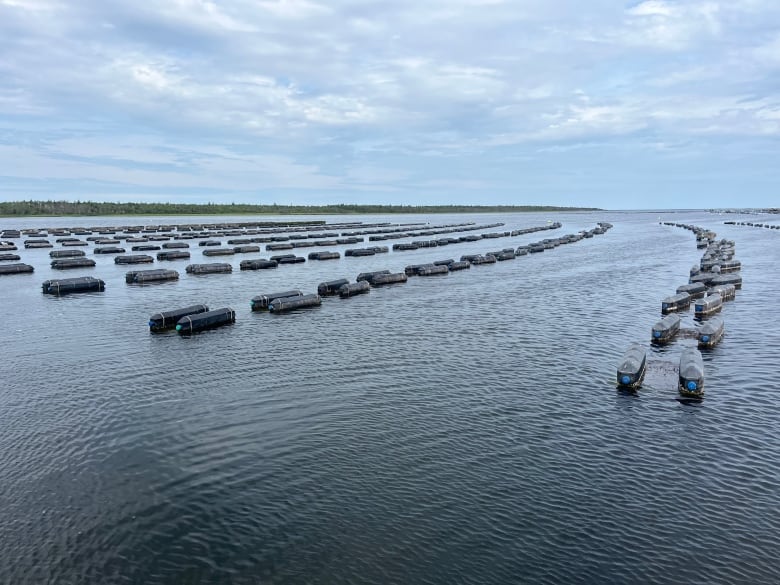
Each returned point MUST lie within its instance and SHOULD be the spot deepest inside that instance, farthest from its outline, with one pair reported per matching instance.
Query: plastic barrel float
(679, 302)
(369, 276)
(133, 259)
(459, 265)
(219, 252)
(331, 287)
(726, 291)
(324, 256)
(354, 288)
(711, 332)
(66, 254)
(411, 270)
(145, 276)
(696, 289)
(173, 255)
(432, 269)
(262, 302)
(285, 304)
(209, 268)
(734, 278)
(631, 371)
(258, 264)
(65, 263)
(207, 320)
(708, 305)
(665, 330)
(246, 249)
(691, 379)
(19, 268)
(168, 319)
(63, 286)
(393, 278)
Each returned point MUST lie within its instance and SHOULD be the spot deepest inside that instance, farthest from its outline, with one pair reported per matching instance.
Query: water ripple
(462, 429)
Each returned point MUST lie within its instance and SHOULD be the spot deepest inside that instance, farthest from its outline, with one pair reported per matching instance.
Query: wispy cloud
(399, 101)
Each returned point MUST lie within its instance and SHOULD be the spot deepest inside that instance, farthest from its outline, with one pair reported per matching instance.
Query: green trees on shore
(87, 208)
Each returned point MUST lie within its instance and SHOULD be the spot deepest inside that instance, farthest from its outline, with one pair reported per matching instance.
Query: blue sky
(655, 104)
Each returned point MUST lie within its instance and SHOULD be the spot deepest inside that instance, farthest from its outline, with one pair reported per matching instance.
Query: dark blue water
(457, 429)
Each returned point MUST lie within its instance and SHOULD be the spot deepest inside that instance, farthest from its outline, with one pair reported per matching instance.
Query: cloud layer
(641, 105)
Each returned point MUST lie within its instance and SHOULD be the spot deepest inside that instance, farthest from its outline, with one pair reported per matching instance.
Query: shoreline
(38, 209)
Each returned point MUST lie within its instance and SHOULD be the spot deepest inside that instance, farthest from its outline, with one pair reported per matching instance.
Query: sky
(597, 103)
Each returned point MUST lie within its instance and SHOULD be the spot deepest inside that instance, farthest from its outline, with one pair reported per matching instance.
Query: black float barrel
(392, 278)
(156, 275)
(279, 257)
(360, 252)
(354, 288)
(258, 264)
(324, 256)
(65, 263)
(284, 304)
(369, 276)
(261, 302)
(411, 270)
(133, 259)
(460, 265)
(331, 287)
(695, 289)
(66, 254)
(676, 302)
(19, 268)
(169, 319)
(431, 269)
(246, 249)
(704, 277)
(207, 320)
(212, 268)
(734, 278)
(61, 286)
(708, 305)
(726, 291)
(173, 255)
(219, 252)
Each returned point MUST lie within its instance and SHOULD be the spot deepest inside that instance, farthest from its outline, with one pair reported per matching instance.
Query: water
(457, 429)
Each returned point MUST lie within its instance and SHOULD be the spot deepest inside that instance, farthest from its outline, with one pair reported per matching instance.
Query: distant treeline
(84, 208)
(775, 210)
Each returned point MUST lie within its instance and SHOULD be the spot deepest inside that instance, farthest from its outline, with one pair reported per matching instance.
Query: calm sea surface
(456, 429)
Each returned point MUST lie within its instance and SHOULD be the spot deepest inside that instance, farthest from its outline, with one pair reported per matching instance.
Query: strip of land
(94, 208)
